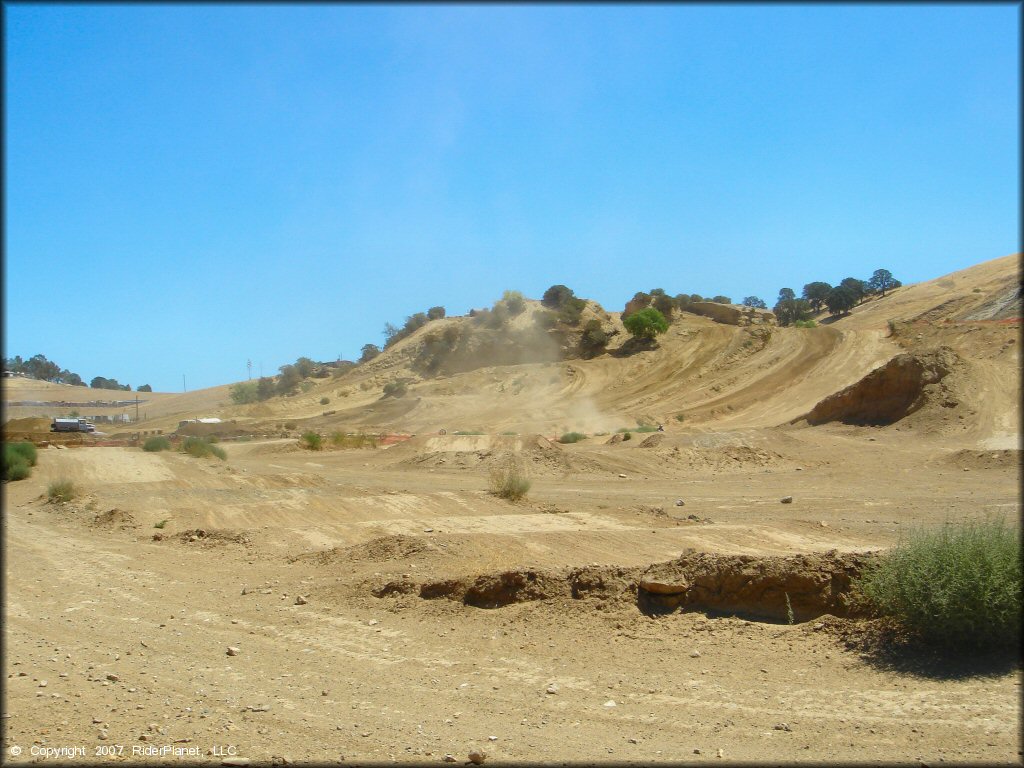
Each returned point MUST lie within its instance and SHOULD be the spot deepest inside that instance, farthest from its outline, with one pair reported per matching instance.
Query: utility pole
(136, 408)
(248, 365)
(183, 387)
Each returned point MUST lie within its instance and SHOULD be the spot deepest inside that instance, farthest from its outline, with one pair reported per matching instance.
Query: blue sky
(191, 186)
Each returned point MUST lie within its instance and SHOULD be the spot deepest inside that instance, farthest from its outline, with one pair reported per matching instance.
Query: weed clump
(509, 480)
(957, 586)
(157, 443)
(61, 491)
(572, 437)
(311, 441)
(19, 458)
(199, 448)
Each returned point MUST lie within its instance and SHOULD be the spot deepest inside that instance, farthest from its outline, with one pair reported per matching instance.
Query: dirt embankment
(777, 589)
(895, 390)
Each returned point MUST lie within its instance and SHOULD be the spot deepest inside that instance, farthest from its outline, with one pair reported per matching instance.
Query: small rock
(553, 688)
(786, 499)
(449, 759)
(720, 753)
(634, 741)
(97, 720)
(823, 524)
(694, 654)
(300, 600)
(477, 757)
(492, 738)
(431, 530)
(680, 503)
(102, 734)
(42, 683)
(782, 727)
(622, 474)
(799, 469)
(235, 761)
(233, 651)
(696, 751)
(372, 622)
(818, 626)
(609, 703)
(113, 678)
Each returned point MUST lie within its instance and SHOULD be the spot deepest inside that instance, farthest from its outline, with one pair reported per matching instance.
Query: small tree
(514, 301)
(786, 294)
(594, 339)
(435, 313)
(305, 367)
(855, 286)
(369, 352)
(244, 392)
(753, 301)
(722, 300)
(572, 311)
(664, 304)
(882, 281)
(144, 388)
(639, 301)
(265, 388)
(646, 324)
(288, 380)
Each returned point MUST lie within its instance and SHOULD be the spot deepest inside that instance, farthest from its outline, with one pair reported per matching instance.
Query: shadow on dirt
(887, 647)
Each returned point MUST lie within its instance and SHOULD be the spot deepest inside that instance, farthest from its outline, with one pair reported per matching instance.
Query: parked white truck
(72, 425)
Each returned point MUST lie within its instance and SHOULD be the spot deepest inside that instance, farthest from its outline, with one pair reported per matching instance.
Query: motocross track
(385, 607)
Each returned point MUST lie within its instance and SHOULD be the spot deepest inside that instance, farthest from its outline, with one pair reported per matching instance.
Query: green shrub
(646, 428)
(244, 393)
(199, 448)
(572, 437)
(395, 388)
(61, 490)
(509, 480)
(26, 450)
(15, 465)
(805, 324)
(958, 586)
(162, 523)
(305, 386)
(680, 417)
(311, 440)
(157, 443)
(646, 324)
(463, 432)
(325, 400)
(627, 436)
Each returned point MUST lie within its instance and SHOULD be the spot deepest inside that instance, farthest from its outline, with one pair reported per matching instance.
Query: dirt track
(383, 659)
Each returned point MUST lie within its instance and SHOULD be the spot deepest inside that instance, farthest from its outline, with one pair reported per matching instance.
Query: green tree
(663, 303)
(882, 281)
(572, 311)
(646, 323)
(594, 339)
(288, 380)
(790, 311)
(753, 301)
(855, 286)
(722, 300)
(514, 302)
(816, 293)
(556, 296)
(265, 388)
(840, 300)
(369, 352)
(244, 392)
(435, 313)
(786, 294)
(305, 367)
(144, 388)
(639, 301)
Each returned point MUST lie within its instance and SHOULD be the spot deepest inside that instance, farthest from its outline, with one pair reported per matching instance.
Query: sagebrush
(201, 447)
(957, 586)
(158, 443)
(62, 490)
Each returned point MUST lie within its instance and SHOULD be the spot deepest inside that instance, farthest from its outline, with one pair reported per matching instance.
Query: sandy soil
(339, 577)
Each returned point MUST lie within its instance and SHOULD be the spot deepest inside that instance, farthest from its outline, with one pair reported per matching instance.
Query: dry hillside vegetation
(677, 595)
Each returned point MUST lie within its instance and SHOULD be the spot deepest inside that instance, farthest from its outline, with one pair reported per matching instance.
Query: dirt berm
(889, 393)
(762, 588)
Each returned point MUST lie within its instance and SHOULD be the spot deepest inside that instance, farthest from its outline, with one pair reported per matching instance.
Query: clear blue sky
(192, 186)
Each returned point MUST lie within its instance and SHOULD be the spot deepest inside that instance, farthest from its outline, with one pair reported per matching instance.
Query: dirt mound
(653, 440)
(721, 458)
(889, 393)
(766, 588)
(114, 518)
(379, 550)
(27, 425)
(801, 587)
(214, 537)
(968, 459)
(537, 453)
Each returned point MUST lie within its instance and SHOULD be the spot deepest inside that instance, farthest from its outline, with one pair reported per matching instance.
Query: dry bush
(509, 480)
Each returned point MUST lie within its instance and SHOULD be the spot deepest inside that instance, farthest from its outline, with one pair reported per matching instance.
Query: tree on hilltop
(435, 313)
(369, 351)
(882, 281)
(816, 293)
(841, 300)
(556, 296)
(755, 302)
